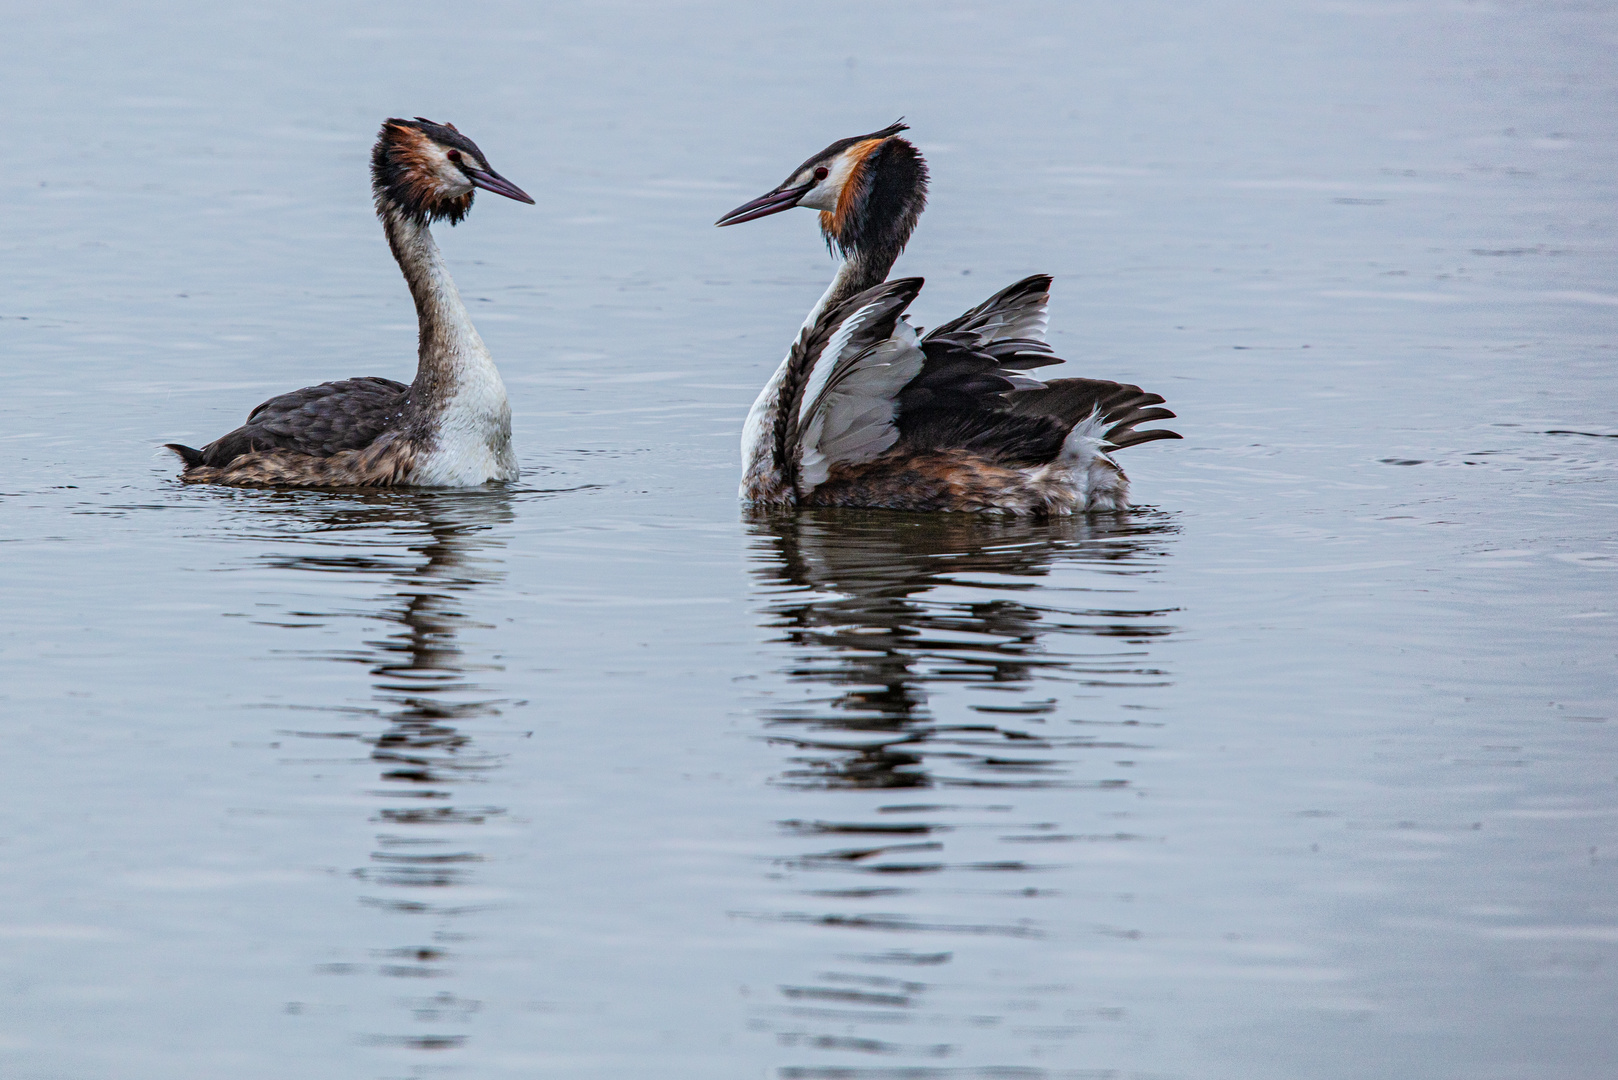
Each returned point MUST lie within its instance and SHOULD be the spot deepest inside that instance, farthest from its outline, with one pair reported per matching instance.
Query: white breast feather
(758, 433)
(472, 440)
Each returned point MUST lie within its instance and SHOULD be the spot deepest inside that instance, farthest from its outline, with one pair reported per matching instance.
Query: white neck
(457, 390)
(838, 284)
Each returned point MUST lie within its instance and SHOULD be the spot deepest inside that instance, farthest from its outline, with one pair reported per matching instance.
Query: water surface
(1306, 768)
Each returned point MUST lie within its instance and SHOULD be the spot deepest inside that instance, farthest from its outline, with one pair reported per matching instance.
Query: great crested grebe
(863, 412)
(449, 428)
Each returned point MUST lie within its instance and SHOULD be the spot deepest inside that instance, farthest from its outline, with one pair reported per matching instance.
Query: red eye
(821, 172)
(453, 155)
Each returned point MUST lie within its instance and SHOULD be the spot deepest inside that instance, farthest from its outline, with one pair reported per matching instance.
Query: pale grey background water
(1307, 769)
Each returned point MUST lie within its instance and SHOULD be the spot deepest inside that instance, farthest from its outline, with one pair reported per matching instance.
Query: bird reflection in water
(429, 552)
(957, 679)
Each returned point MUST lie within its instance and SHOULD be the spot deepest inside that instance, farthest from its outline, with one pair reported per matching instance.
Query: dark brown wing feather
(969, 393)
(973, 363)
(317, 420)
(1014, 316)
(967, 397)
(1072, 401)
(958, 402)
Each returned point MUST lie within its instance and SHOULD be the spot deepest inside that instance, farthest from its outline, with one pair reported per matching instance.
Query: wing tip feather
(190, 456)
(1139, 438)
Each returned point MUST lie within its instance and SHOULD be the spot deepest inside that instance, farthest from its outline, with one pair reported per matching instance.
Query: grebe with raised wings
(451, 427)
(864, 412)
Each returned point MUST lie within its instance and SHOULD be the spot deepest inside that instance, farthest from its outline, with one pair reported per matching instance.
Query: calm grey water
(1306, 769)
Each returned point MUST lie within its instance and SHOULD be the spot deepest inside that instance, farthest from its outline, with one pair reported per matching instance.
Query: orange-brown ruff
(835, 223)
(866, 412)
(451, 426)
(410, 159)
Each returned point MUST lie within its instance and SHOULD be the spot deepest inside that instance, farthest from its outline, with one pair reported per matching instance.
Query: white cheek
(454, 180)
(823, 197)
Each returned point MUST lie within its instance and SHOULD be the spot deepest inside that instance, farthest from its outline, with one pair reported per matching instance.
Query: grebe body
(866, 412)
(451, 426)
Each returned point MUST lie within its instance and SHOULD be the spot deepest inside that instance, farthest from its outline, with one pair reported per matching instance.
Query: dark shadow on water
(943, 671)
(886, 611)
(413, 563)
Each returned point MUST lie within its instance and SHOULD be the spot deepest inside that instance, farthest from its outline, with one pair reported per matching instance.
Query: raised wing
(961, 399)
(971, 364)
(860, 380)
(1010, 325)
(846, 373)
(318, 420)
(1017, 311)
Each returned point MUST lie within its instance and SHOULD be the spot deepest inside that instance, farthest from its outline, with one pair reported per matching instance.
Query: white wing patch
(847, 410)
(833, 355)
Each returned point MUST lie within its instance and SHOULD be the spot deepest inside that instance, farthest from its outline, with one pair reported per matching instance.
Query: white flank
(758, 432)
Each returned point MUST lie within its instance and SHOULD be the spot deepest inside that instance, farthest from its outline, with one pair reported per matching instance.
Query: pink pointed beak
(765, 205)
(493, 181)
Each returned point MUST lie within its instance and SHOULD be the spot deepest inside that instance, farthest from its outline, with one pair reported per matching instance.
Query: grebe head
(428, 171)
(869, 189)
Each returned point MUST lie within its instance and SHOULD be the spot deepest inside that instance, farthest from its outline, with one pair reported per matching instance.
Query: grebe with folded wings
(451, 427)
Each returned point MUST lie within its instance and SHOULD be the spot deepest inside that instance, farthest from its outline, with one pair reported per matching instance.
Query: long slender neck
(876, 211)
(860, 270)
(449, 350)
